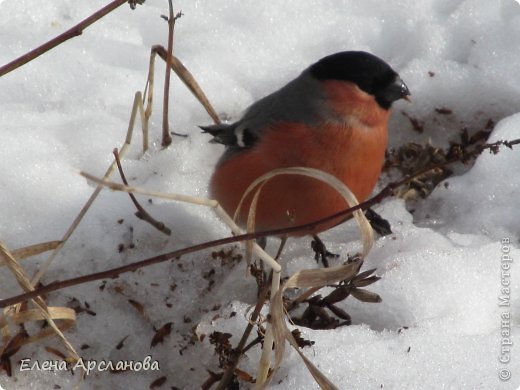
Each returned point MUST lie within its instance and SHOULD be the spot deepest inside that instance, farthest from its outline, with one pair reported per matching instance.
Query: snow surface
(441, 268)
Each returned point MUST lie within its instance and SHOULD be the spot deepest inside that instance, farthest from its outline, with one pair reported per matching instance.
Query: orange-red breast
(333, 117)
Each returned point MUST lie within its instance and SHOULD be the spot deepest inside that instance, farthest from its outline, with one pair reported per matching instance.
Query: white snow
(441, 268)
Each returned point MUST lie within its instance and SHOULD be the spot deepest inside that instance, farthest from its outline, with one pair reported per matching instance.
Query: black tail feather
(223, 133)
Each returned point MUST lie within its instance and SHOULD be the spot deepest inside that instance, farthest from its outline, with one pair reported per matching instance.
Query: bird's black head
(370, 73)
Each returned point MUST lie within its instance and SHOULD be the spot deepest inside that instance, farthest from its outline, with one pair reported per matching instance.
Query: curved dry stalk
(277, 330)
(308, 278)
(334, 182)
(251, 218)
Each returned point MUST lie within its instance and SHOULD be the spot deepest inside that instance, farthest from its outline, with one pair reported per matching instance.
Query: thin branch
(115, 272)
(71, 33)
(166, 137)
(141, 212)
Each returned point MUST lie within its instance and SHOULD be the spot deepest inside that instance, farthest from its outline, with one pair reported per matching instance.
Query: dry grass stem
(42, 311)
(33, 250)
(277, 331)
(187, 78)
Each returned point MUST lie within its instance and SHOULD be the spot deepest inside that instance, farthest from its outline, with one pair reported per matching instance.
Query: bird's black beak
(405, 92)
(396, 90)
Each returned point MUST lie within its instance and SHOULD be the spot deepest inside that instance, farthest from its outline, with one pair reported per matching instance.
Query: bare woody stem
(70, 33)
(115, 272)
(141, 212)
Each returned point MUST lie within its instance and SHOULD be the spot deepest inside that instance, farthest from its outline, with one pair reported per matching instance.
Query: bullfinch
(332, 117)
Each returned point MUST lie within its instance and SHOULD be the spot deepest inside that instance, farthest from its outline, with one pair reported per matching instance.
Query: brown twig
(213, 378)
(302, 229)
(166, 137)
(70, 33)
(141, 212)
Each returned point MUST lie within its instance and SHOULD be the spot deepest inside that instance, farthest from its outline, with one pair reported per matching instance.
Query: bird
(332, 117)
